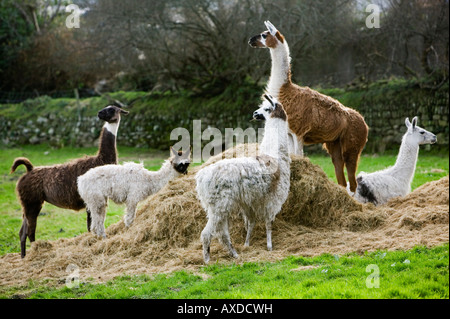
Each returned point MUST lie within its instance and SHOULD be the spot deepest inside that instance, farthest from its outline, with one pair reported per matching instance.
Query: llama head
(270, 108)
(180, 160)
(418, 135)
(111, 113)
(267, 39)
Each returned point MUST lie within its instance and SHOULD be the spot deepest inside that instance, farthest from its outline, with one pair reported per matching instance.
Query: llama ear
(407, 123)
(122, 111)
(118, 104)
(270, 27)
(414, 122)
(269, 98)
(272, 100)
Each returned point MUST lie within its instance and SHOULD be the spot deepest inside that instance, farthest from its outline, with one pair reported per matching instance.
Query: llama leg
(300, 145)
(334, 149)
(351, 162)
(31, 230)
(88, 219)
(98, 214)
(250, 226)
(94, 221)
(206, 237)
(226, 240)
(28, 229)
(91, 218)
(269, 234)
(101, 222)
(131, 213)
(293, 145)
(23, 237)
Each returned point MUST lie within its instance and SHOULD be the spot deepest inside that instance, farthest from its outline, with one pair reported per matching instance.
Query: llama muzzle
(253, 41)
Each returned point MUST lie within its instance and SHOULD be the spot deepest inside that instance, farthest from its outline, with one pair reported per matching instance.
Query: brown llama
(313, 117)
(57, 184)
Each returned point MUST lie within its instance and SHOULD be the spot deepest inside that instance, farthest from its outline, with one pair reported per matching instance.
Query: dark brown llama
(57, 184)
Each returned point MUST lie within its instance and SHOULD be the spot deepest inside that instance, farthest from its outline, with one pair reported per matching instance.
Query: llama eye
(264, 35)
(422, 132)
(267, 110)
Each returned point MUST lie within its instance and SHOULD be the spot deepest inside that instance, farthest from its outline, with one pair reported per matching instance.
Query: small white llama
(254, 186)
(129, 183)
(379, 187)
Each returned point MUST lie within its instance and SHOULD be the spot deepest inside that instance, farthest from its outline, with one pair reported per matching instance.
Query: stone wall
(68, 122)
(385, 108)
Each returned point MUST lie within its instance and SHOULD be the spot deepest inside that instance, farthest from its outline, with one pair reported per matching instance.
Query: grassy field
(424, 276)
(416, 273)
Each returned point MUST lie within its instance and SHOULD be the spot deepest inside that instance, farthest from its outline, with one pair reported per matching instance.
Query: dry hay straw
(317, 217)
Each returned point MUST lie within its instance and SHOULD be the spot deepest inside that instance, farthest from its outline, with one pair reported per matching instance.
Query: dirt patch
(317, 217)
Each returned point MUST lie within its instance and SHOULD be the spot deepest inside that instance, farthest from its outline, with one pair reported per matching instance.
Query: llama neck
(274, 142)
(405, 164)
(112, 127)
(107, 152)
(281, 69)
(161, 177)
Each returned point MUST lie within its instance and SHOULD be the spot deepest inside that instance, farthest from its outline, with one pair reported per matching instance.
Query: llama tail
(21, 161)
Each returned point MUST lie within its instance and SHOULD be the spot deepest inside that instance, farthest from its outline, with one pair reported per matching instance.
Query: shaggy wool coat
(129, 183)
(379, 187)
(256, 187)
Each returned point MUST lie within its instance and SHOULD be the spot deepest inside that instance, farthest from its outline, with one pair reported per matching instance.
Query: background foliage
(201, 45)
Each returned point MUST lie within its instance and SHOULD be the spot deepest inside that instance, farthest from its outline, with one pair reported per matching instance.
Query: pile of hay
(317, 217)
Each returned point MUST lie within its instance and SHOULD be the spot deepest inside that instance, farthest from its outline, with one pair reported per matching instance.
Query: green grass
(417, 273)
(426, 276)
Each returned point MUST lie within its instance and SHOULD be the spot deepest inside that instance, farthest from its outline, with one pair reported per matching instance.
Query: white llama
(254, 186)
(129, 183)
(379, 187)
